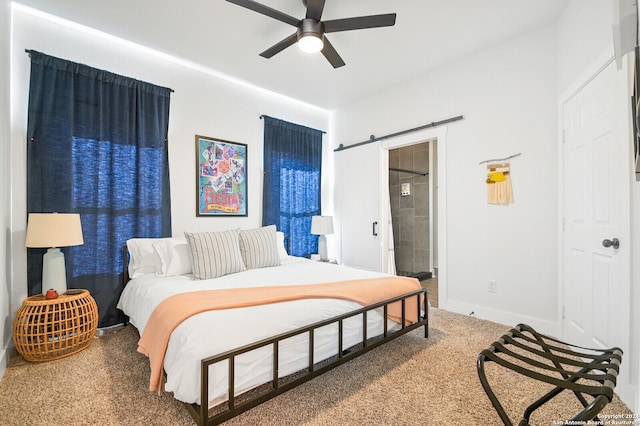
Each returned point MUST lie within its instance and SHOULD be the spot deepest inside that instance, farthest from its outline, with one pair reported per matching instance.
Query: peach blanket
(175, 309)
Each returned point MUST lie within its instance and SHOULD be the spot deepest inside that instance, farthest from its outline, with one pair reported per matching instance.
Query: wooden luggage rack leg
(583, 371)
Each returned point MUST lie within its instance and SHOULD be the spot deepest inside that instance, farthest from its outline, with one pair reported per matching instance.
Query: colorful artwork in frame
(222, 177)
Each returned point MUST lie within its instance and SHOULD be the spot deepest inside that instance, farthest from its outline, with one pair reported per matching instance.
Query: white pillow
(214, 254)
(282, 250)
(175, 258)
(259, 247)
(143, 259)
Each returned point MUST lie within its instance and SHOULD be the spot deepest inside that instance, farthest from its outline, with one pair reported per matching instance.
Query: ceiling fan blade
(280, 46)
(314, 9)
(331, 54)
(360, 23)
(266, 10)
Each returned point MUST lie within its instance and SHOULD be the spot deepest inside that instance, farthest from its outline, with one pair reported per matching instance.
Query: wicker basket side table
(48, 329)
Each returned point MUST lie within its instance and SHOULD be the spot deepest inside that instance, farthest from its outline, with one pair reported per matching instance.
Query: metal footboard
(277, 385)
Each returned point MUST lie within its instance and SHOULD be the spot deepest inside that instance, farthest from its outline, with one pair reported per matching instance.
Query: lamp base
(322, 248)
(53, 271)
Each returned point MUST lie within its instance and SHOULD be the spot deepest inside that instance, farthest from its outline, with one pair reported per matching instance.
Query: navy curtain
(291, 190)
(97, 146)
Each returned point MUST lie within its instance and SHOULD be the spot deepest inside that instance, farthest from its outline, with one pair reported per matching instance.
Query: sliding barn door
(358, 187)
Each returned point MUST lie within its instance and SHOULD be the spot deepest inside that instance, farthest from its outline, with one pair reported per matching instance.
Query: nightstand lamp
(322, 225)
(54, 230)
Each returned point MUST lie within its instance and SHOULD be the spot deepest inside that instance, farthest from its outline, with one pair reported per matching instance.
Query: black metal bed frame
(278, 385)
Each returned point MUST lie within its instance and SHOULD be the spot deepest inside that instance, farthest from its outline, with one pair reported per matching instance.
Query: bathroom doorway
(412, 183)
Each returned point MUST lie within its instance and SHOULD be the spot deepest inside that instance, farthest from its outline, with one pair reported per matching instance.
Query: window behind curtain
(97, 145)
(291, 190)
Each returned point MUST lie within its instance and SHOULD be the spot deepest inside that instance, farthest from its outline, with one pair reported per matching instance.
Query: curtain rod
(323, 132)
(30, 51)
(372, 138)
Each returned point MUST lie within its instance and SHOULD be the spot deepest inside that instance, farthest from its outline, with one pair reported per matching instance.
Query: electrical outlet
(493, 286)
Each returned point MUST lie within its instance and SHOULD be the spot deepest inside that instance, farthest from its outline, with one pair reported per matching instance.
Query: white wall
(5, 185)
(204, 103)
(584, 33)
(507, 95)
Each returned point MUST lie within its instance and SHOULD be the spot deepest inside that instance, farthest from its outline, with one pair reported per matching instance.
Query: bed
(225, 355)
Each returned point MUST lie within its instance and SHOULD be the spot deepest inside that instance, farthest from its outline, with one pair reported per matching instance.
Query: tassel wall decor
(499, 184)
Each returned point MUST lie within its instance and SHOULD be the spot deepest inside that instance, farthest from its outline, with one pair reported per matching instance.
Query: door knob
(615, 243)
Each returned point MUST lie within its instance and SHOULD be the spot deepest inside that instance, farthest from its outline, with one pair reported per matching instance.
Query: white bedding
(214, 332)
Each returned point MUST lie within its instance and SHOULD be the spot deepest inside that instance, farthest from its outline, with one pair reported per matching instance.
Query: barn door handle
(375, 224)
(615, 243)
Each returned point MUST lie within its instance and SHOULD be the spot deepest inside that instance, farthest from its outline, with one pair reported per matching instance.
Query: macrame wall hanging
(498, 181)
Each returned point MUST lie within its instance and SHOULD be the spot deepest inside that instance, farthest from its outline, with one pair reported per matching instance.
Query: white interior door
(361, 219)
(596, 274)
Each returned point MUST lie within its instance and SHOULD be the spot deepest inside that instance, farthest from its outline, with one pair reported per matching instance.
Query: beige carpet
(411, 381)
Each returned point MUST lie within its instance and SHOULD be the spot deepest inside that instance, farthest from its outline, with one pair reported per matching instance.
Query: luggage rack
(583, 371)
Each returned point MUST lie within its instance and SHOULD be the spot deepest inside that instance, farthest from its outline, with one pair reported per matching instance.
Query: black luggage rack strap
(584, 371)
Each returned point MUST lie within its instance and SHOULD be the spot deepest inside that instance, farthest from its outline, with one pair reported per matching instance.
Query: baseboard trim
(4, 353)
(509, 319)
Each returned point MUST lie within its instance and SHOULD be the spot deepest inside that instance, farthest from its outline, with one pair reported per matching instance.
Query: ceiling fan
(310, 35)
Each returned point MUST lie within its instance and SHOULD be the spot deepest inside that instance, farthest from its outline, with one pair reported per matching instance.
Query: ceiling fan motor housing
(310, 27)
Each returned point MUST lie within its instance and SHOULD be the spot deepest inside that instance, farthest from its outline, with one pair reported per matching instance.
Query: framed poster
(222, 177)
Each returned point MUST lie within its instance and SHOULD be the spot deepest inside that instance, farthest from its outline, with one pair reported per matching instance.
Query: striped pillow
(259, 247)
(214, 254)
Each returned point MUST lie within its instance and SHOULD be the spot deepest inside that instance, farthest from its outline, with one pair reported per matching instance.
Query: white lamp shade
(321, 225)
(54, 230)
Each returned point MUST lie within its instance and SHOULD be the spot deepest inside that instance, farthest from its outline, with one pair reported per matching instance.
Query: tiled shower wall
(410, 214)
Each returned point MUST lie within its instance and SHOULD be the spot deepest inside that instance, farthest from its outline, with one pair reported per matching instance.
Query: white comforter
(214, 332)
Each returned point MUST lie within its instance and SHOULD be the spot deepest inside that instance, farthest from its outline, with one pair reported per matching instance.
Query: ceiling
(228, 38)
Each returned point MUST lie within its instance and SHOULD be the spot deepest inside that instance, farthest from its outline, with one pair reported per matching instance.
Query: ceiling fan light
(310, 43)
